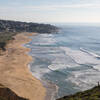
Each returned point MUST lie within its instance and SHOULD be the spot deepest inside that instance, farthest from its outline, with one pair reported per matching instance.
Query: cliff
(7, 94)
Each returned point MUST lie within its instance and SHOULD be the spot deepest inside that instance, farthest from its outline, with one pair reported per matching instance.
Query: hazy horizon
(51, 11)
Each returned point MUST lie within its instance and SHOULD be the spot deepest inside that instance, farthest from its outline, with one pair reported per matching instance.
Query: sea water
(70, 59)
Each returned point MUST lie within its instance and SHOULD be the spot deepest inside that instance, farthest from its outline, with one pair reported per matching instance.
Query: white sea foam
(56, 66)
(44, 40)
(61, 61)
(38, 72)
(97, 67)
(51, 50)
(85, 79)
(80, 57)
(89, 52)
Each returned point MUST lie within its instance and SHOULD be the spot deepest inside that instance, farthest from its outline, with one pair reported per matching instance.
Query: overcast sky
(51, 10)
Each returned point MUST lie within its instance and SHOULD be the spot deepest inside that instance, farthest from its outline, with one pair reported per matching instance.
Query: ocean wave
(84, 79)
(54, 67)
(81, 57)
(90, 53)
(39, 71)
(43, 39)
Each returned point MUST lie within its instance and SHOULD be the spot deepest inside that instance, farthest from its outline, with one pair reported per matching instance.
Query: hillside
(16, 26)
(10, 28)
(92, 94)
(7, 94)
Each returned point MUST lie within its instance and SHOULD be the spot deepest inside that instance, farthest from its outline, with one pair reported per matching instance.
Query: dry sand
(14, 72)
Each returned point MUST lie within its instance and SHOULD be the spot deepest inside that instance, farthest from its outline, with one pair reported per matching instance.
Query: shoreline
(51, 88)
(14, 72)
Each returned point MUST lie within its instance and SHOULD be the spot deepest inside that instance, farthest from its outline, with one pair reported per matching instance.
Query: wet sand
(14, 72)
(52, 90)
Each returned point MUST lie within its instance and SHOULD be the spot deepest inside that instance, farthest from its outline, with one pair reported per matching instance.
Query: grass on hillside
(4, 38)
(1, 98)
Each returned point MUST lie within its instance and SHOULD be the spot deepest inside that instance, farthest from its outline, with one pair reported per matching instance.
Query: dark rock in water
(8, 94)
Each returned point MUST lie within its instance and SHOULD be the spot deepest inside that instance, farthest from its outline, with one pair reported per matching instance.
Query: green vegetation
(4, 38)
(1, 98)
(92, 94)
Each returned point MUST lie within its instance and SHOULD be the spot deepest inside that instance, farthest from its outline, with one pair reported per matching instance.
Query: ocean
(70, 58)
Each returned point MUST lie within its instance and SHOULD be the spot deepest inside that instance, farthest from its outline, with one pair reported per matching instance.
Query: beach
(14, 72)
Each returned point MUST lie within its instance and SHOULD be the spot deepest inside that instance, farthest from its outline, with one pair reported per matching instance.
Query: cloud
(54, 7)
(48, 7)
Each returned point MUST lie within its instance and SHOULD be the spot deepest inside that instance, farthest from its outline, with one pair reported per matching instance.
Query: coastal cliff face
(7, 94)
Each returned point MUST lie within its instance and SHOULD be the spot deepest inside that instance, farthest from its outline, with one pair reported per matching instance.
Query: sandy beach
(14, 72)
